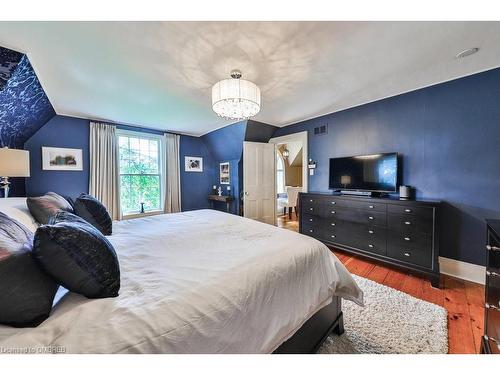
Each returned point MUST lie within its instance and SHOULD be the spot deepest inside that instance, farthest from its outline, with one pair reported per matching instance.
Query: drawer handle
(333, 202)
(370, 206)
(310, 200)
(310, 230)
(496, 341)
(370, 246)
(407, 238)
(371, 232)
(370, 217)
(491, 273)
(333, 224)
(311, 209)
(493, 307)
(492, 248)
(310, 219)
(333, 212)
(407, 222)
(333, 236)
(407, 210)
(407, 254)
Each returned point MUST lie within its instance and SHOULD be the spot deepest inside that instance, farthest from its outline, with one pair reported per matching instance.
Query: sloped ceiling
(159, 74)
(24, 106)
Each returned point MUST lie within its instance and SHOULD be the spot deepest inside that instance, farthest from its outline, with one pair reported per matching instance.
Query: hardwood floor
(287, 223)
(463, 300)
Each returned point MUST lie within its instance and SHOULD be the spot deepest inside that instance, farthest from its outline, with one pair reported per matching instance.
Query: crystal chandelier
(235, 98)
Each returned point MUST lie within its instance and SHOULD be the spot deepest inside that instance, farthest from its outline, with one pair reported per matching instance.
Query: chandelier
(235, 98)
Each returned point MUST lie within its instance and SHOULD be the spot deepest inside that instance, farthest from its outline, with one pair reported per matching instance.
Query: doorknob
(246, 193)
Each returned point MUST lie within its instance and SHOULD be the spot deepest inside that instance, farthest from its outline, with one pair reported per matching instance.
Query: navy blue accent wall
(60, 131)
(448, 136)
(195, 186)
(24, 106)
(226, 145)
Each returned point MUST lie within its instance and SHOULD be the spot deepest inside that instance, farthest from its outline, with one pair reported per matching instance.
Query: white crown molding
(462, 270)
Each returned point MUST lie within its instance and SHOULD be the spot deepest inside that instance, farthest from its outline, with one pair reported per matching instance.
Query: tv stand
(400, 233)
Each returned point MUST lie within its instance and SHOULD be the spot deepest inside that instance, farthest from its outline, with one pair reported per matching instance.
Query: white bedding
(197, 282)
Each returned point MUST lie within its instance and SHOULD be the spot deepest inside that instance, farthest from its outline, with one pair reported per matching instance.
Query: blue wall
(195, 186)
(24, 106)
(60, 131)
(226, 145)
(448, 136)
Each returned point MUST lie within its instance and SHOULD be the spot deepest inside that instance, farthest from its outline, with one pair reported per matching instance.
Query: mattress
(197, 282)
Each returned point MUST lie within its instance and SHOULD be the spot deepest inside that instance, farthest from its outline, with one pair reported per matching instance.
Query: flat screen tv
(377, 173)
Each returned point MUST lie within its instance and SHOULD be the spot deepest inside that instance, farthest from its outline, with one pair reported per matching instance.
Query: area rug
(391, 322)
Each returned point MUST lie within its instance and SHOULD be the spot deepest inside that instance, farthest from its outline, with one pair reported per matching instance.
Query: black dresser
(402, 233)
(491, 338)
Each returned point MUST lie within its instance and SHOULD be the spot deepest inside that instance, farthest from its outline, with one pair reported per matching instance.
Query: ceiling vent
(322, 129)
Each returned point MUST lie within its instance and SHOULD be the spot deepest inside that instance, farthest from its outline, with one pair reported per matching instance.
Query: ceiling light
(286, 153)
(235, 98)
(467, 52)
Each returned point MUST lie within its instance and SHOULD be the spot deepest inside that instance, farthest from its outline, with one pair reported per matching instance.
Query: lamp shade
(14, 163)
(235, 98)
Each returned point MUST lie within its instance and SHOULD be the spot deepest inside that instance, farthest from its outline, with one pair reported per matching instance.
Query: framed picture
(62, 159)
(193, 164)
(224, 173)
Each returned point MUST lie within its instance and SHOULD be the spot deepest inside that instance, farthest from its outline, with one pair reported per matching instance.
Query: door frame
(297, 137)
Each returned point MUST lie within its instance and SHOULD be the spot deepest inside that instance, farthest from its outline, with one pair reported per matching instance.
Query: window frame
(161, 170)
(280, 157)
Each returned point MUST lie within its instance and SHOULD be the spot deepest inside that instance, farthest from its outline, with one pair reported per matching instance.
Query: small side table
(221, 198)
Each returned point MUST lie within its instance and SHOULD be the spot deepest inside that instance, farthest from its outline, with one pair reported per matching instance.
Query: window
(140, 172)
(280, 173)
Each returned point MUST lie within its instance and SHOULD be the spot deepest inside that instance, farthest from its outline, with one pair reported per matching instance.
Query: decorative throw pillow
(94, 212)
(65, 216)
(42, 208)
(26, 291)
(79, 257)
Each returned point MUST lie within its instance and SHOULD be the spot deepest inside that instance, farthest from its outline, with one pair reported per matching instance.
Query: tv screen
(378, 172)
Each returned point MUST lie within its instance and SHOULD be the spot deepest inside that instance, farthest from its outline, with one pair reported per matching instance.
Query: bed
(203, 282)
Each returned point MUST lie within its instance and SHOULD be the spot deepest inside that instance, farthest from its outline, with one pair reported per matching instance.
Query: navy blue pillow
(94, 212)
(26, 291)
(64, 216)
(79, 257)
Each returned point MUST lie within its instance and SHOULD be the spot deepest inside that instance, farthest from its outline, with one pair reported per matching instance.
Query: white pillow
(17, 209)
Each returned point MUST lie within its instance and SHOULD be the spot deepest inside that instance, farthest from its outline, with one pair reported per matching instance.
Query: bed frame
(314, 332)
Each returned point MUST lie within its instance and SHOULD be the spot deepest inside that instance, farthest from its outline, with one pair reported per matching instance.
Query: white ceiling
(159, 74)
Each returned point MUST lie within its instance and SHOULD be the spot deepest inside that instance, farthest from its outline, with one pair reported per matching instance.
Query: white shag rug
(392, 322)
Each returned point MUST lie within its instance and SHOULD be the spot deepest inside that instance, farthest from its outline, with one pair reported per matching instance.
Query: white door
(259, 174)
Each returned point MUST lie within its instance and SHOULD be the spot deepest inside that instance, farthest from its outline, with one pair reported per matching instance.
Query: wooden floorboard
(463, 300)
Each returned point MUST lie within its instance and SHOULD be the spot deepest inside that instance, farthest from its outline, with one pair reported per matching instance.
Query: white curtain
(171, 173)
(104, 172)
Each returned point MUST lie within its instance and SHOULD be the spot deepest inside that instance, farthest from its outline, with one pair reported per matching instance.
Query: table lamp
(13, 163)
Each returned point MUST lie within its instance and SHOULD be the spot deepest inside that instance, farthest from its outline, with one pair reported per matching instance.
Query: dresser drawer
(423, 212)
(353, 204)
(311, 219)
(409, 223)
(357, 216)
(493, 253)
(492, 328)
(411, 249)
(416, 256)
(493, 288)
(311, 229)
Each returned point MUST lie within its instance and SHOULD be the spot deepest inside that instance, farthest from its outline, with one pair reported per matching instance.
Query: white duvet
(197, 282)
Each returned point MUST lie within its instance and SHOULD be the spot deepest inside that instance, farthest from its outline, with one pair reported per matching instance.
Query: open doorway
(291, 177)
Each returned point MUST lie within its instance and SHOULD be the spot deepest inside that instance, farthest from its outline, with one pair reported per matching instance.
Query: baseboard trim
(462, 270)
